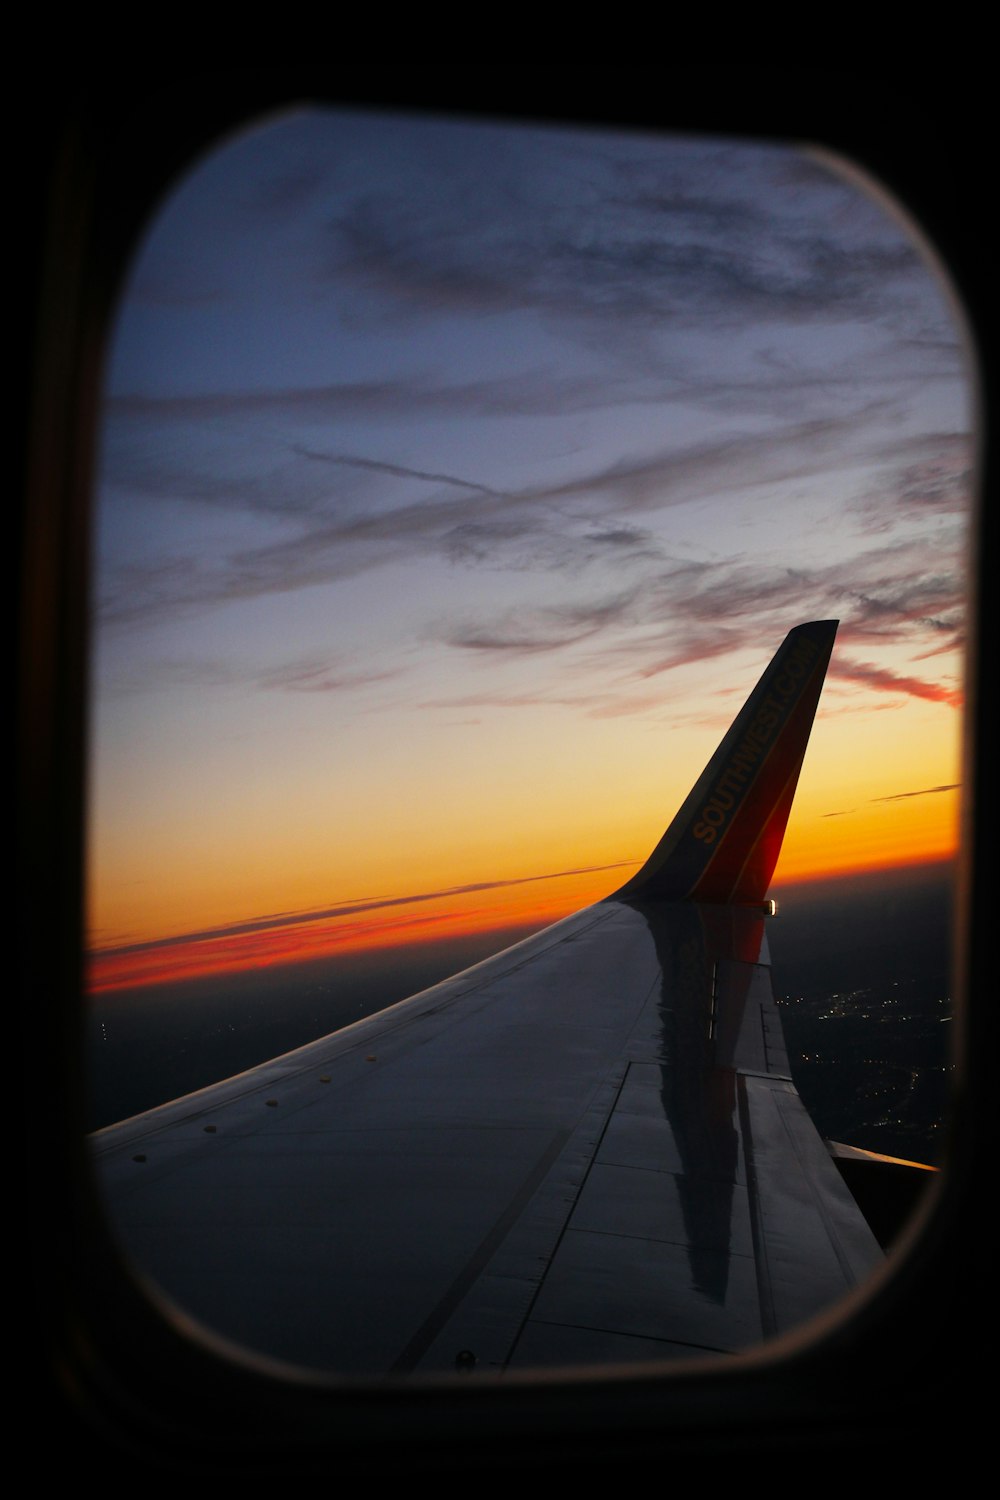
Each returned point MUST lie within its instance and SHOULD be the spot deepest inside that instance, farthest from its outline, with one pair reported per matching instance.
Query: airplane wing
(585, 1149)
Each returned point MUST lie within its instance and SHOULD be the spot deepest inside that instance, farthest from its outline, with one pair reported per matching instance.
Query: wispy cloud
(712, 242)
(323, 677)
(531, 392)
(926, 791)
(329, 534)
(398, 471)
(883, 680)
(275, 920)
(300, 674)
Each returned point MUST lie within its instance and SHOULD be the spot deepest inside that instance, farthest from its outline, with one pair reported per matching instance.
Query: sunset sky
(458, 483)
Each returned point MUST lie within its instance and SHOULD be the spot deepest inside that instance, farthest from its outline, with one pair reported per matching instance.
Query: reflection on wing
(585, 1149)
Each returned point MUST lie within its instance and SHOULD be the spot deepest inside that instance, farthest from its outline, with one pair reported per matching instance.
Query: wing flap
(802, 1214)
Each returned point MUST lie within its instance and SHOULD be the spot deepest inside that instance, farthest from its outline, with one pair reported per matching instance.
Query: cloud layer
(409, 422)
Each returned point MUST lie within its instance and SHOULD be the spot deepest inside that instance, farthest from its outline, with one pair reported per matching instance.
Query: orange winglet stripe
(724, 843)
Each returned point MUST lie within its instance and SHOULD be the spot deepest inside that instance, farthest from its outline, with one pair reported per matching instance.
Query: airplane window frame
(111, 1366)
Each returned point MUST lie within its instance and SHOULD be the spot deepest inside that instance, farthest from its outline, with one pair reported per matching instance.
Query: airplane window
(458, 483)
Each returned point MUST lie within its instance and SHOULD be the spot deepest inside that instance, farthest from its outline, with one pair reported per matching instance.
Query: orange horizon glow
(207, 955)
(279, 890)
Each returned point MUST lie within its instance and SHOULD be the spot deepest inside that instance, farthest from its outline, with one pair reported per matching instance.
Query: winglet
(724, 842)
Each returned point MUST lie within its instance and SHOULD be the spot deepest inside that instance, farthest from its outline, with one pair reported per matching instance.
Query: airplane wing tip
(723, 844)
(817, 630)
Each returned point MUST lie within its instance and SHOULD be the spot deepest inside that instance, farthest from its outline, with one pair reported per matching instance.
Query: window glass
(457, 483)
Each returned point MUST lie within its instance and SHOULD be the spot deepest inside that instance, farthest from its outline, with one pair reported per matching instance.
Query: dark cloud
(398, 471)
(503, 228)
(539, 543)
(515, 638)
(920, 476)
(543, 629)
(938, 485)
(493, 543)
(935, 602)
(926, 791)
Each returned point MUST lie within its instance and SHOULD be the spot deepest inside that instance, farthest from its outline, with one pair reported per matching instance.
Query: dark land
(155, 1043)
(861, 972)
(862, 975)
